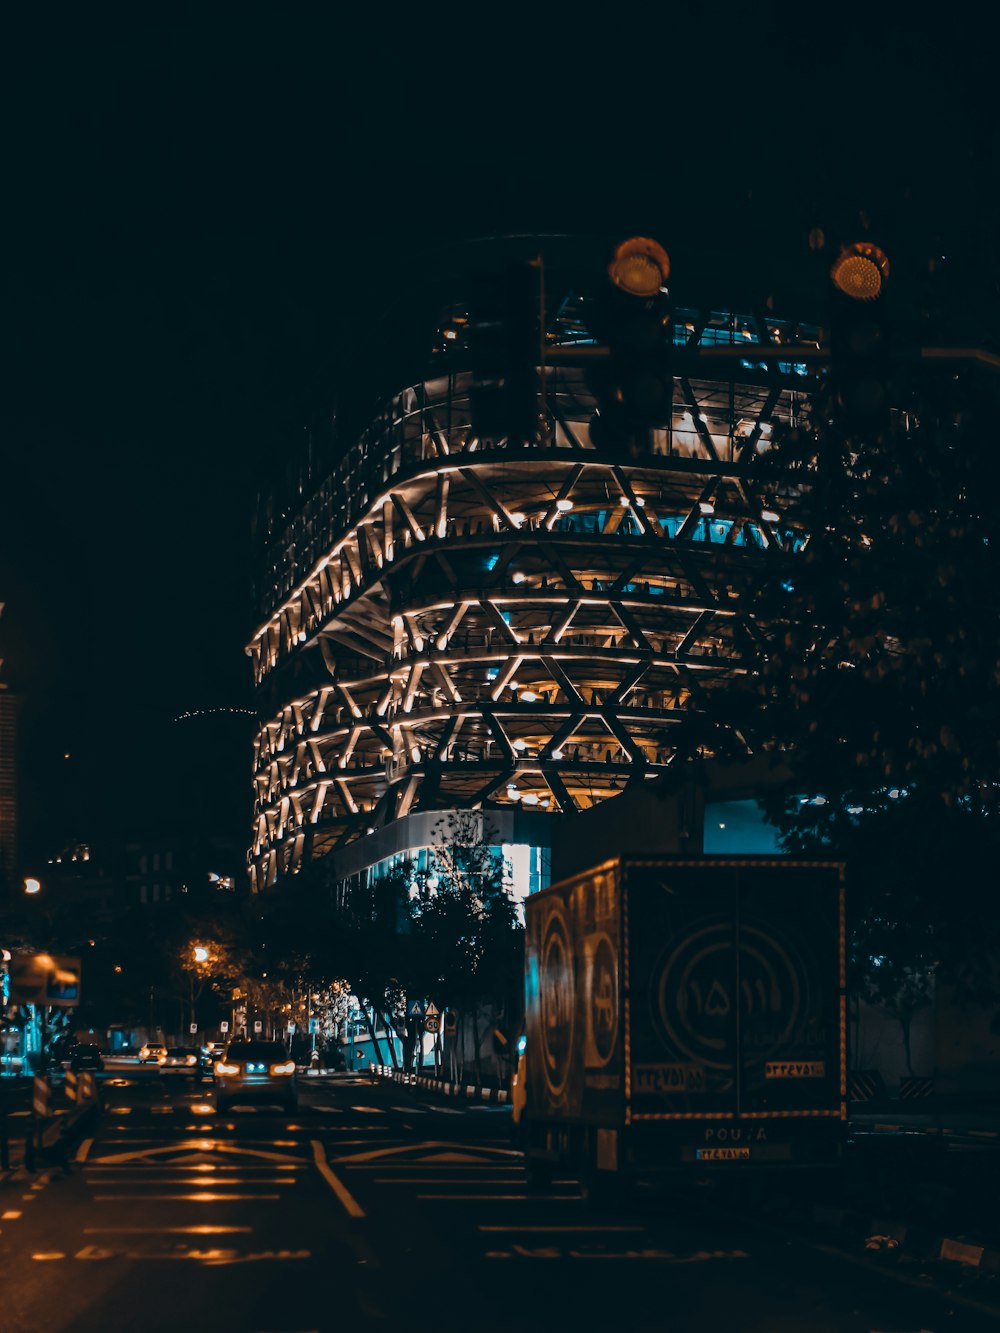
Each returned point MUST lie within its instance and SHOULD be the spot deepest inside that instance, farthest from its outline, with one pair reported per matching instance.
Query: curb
(493, 1095)
(879, 1233)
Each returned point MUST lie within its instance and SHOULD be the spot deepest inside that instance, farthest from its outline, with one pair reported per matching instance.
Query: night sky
(201, 218)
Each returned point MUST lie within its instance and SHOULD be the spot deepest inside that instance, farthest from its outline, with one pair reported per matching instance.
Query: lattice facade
(452, 623)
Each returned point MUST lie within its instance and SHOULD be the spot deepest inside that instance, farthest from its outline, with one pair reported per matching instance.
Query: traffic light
(634, 386)
(859, 338)
(504, 352)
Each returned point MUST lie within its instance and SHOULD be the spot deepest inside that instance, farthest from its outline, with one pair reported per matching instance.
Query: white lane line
(345, 1196)
(437, 1180)
(171, 1231)
(204, 1196)
(10, 1214)
(410, 1110)
(14, 1114)
(122, 1182)
(556, 1228)
(369, 1110)
(507, 1199)
(84, 1149)
(333, 1110)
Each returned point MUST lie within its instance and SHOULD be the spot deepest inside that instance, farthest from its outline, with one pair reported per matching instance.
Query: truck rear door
(734, 1005)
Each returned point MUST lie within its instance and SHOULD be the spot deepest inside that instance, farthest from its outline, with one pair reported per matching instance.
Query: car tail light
(191, 1060)
(287, 1068)
(222, 1068)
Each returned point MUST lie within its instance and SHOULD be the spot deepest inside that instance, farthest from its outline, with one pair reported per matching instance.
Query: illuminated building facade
(458, 623)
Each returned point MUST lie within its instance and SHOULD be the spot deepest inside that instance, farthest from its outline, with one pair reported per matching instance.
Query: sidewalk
(448, 1089)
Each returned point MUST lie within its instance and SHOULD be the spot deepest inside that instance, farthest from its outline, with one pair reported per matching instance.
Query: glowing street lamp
(200, 954)
(32, 885)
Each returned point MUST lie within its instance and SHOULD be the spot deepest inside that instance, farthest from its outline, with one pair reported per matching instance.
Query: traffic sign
(258, 1025)
(450, 1023)
(432, 1023)
(431, 1009)
(314, 1025)
(224, 1025)
(416, 1009)
(193, 1028)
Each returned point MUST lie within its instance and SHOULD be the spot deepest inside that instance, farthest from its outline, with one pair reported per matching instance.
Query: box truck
(684, 1015)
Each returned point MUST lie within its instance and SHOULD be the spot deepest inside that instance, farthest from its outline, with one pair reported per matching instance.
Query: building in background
(526, 625)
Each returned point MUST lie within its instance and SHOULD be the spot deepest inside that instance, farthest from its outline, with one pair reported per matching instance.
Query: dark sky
(194, 211)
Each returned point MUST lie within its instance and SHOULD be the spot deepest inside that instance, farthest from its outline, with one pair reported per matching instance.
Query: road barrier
(912, 1088)
(865, 1085)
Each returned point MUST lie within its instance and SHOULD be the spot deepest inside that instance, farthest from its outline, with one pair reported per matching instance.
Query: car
(152, 1053)
(261, 1072)
(85, 1056)
(181, 1060)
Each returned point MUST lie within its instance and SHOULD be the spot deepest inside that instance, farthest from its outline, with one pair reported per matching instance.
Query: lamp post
(200, 954)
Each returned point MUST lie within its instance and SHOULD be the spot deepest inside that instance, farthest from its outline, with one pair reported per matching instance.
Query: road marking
(556, 1228)
(14, 1114)
(370, 1110)
(507, 1199)
(437, 1180)
(193, 1162)
(422, 1153)
(10, 1215)
(333, 1110)
(345, 1196)
(54, 1254)
(206, 1196)
(84, 1148)
(189, 1180)
(179, 1231)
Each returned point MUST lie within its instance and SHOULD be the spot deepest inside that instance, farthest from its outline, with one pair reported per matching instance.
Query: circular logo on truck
(557, 1008)
(602, 1008)
(697, 994)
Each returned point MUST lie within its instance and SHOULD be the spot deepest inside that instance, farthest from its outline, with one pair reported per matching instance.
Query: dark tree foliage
(879, 687)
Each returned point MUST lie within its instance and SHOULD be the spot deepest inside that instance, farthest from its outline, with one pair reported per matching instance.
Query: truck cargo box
(683, 1012)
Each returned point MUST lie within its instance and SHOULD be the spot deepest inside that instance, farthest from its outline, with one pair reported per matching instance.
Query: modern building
(458, 626)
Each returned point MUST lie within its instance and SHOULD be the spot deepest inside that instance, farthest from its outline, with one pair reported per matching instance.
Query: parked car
(154, 1053)
(181, 1060)
(256, 1071)
(85, 1056)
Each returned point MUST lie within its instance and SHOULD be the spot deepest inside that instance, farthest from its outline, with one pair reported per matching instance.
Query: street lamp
(32, 885)
(200, 954)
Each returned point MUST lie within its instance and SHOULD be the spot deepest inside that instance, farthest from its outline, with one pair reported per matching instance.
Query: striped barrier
(865, 1085)
(912, 1088)
(70, 1085)
(40, 1091)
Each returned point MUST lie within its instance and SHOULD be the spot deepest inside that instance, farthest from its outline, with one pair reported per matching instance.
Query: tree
(470, 944)
(879, 686)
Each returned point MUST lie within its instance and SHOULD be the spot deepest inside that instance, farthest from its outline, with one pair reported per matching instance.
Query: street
(379, 1205)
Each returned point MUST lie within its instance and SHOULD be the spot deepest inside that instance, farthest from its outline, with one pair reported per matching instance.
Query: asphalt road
(380, 1206)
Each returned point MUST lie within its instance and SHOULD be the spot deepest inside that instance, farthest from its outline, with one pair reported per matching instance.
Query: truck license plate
(722, 1154)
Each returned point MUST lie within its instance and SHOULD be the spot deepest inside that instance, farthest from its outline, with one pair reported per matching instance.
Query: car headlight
(191, 1060)
(222, 1068)
(287, 1068)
